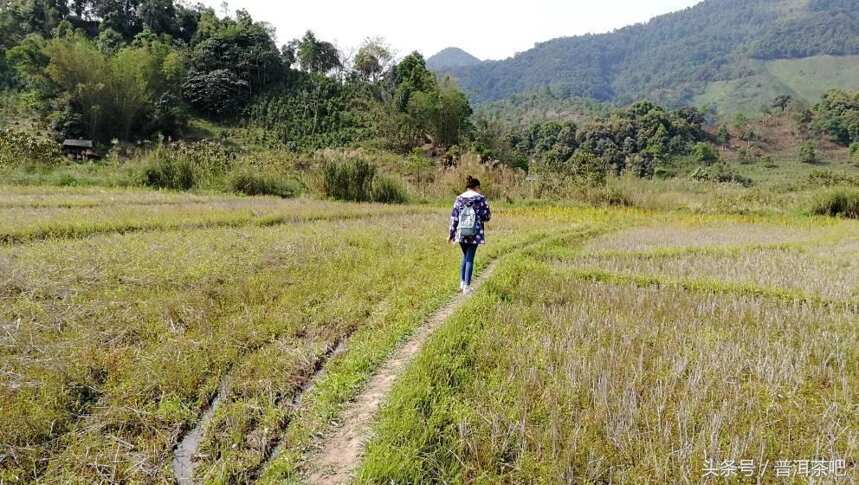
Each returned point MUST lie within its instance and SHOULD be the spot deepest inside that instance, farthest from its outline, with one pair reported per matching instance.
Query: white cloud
(487, 29)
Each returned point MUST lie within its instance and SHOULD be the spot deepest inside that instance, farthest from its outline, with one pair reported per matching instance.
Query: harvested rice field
(158, 337)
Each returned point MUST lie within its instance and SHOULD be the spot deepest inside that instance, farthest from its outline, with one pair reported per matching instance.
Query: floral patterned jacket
(484, 214)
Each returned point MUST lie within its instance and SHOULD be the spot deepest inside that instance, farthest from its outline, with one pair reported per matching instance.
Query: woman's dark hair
(471, 182)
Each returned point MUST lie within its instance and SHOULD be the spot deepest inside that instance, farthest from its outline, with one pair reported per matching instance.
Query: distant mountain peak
(450, 58)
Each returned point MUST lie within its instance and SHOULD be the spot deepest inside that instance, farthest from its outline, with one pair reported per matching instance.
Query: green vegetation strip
(76, 229)
(708, 286)
(91, 203)
(729, 250)
(705, 285)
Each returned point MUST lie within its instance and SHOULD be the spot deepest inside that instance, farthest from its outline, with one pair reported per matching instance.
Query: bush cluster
(705, 153)
(634, 140)
(808, 153)
(183, 166)
(720, 173)
(170, 173)
(842, 202)
(837, 115)
(359, 181)
(20, 148)
(254, 183)
(829, 178)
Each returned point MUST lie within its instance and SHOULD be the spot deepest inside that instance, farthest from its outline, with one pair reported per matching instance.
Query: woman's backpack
(468, 220)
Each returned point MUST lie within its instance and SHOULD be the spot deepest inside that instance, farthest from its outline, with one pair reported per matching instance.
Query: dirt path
(341, 452)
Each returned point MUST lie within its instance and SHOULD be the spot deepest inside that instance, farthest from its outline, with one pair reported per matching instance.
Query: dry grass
(547, 377)
(789, 269)
(709, 232)
(36, 197)
(111, 345)
(35, 223)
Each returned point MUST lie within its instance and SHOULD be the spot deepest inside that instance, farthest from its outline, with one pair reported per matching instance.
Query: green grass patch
(255, 183)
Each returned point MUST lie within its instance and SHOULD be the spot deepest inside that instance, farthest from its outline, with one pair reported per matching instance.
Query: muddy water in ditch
(183, 456)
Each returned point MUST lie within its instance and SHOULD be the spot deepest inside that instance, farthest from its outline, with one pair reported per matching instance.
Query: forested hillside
(128, 71)
(677, 57)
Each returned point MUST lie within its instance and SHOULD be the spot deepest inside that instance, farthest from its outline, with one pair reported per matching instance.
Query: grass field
(811, 77)
(806, 79)
(634, 344)
(637, 356)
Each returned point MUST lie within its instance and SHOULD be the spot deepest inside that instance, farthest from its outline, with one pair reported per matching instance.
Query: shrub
(664, 172)
(829, 178)
(854, 150)
(585, 168)
(183, 166)
(641, 165)
(497, 180)
(19, 147)
(720, 173)
(608, 196)
(705, 153)
(843, 203)
(359, 181)
(249, 183)
(170, 173)
(349, 180)
(388, 190)
(749, 156)
(210, 156)
(807, 153)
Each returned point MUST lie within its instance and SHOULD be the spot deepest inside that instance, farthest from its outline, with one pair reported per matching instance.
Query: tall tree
(241, 46)
(315, 55)
(452, 120)
(159, 16)
(119, 15)
(372, 59)
(410, 76)
(114, 95)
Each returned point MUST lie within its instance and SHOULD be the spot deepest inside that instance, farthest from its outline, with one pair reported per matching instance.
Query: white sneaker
(461, 285)
(467, 290)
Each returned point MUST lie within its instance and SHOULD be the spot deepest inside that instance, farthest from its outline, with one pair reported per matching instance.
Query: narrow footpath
(342, 450)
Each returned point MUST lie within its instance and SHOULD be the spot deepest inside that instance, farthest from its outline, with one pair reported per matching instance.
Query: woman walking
(470, 212)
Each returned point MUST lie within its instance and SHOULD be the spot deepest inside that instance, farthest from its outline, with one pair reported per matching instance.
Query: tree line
(636, 140)
(127, 70)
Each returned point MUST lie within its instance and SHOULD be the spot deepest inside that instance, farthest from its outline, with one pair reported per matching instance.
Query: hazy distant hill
(452, 57)
(734, 54)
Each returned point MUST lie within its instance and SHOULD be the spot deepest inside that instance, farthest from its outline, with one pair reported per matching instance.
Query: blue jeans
(467, 268)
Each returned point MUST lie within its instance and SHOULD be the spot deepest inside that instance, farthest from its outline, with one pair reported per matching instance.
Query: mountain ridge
(673, 58)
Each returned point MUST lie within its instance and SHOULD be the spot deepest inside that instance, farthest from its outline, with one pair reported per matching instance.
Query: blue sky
(485, 28)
